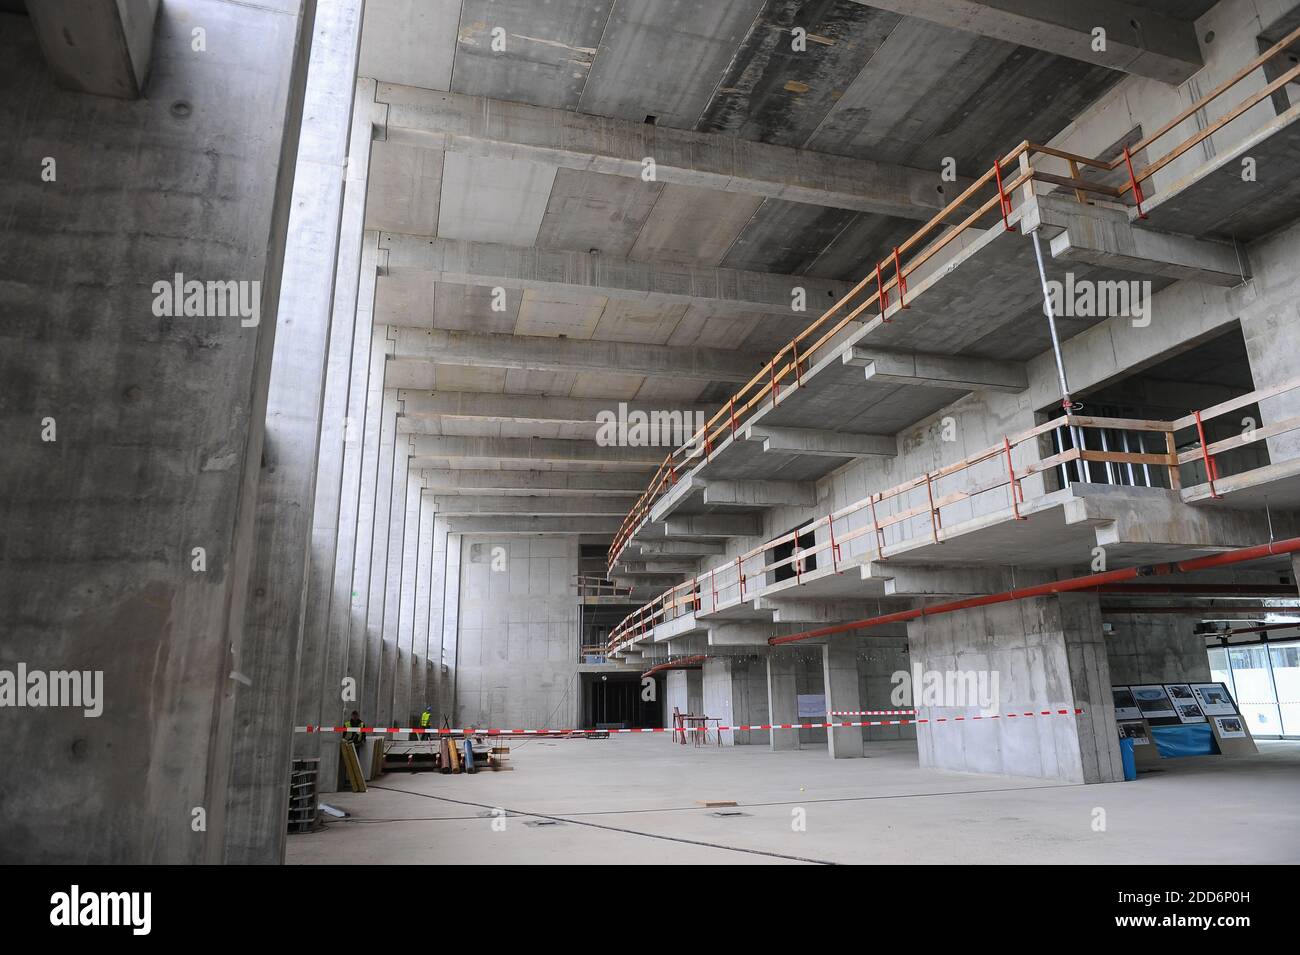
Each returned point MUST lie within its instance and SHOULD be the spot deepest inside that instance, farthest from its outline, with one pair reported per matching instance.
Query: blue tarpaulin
(1189, 739)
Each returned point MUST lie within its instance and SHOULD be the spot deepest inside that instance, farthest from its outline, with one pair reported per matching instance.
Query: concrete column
(390, 570)
(1047, 653)
(716, 680)
(338, 614)
(403, 703)
(695, 691)
(783, 699)
(735, 694)
(840, 677)
(318, 664)
(257, 801)
(421, 644)
(359, 659)
(451, 624)
(158, 436)
(437, 593)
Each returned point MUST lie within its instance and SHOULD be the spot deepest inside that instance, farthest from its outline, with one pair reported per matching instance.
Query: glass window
(1255, 694)
(1285, 658)
(1220, 672)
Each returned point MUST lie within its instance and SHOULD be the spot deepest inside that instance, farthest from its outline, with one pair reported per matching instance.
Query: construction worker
(426, 717)
(354, 738)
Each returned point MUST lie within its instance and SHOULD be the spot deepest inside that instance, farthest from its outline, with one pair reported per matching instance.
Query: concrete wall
(517, 656)
(1049, 653)
(879, 658)
(684, 689)
(735, 692)
(1149, 648)
(158, 421)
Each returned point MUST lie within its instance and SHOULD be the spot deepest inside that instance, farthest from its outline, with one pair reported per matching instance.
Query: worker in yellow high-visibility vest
(426, 717)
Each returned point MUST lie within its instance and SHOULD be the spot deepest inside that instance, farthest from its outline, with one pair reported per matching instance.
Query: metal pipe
(685, 663)
(1066, 401)
(1071, 585)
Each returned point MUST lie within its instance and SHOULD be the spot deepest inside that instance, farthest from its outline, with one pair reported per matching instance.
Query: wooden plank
(1233, 404)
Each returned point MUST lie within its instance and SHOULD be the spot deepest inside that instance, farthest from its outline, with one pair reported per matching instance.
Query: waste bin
(1126, 757)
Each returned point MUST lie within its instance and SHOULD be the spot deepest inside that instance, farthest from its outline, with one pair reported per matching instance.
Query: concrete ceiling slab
(591, 210)
(668, 390)
(607, 385)
(559, 314)
(548, 50)
(493, 200)
(404, 189)
(625, 320)
(666, 58)
(691, 224)
(519, 381)
(410, 41)
(1214, 199)
(773, 93)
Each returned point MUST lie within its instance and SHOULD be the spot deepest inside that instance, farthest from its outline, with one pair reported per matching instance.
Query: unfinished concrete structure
(600, 337)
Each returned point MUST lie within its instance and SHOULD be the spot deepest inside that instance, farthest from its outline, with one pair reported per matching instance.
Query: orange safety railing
(890, 276)
(599, 587)
(992, 470)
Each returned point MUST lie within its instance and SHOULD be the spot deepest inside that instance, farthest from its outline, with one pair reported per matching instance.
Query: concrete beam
(760, 493)
(1106, 237)
(740, 635)
(558, 271)
(536, 353)
(938, 371)
(524, 524)
(527, 450)
(553, 483)
(817, 611)
(97, 46)
(1138, 40)
(422, 406)
(902, 580)
(837, 444)
(673, 568)
(557, 137)
(473, 505)
(713, 525)
(674, 549)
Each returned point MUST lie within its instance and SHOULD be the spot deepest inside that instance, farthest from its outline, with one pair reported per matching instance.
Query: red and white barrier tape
(385, 730)
(872, 713)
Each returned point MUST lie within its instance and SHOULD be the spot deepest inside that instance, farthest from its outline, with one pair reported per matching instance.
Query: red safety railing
(990, 471)
(787, 366)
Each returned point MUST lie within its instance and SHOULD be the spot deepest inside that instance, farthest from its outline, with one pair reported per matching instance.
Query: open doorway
(1210, 372)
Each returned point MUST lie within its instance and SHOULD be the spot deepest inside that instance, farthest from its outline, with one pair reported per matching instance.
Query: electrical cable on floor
(596, 825)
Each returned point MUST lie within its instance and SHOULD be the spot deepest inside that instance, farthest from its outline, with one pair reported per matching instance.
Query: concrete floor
(632, 799)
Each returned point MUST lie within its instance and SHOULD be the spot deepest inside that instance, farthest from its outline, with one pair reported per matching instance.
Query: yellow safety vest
(424, 718)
